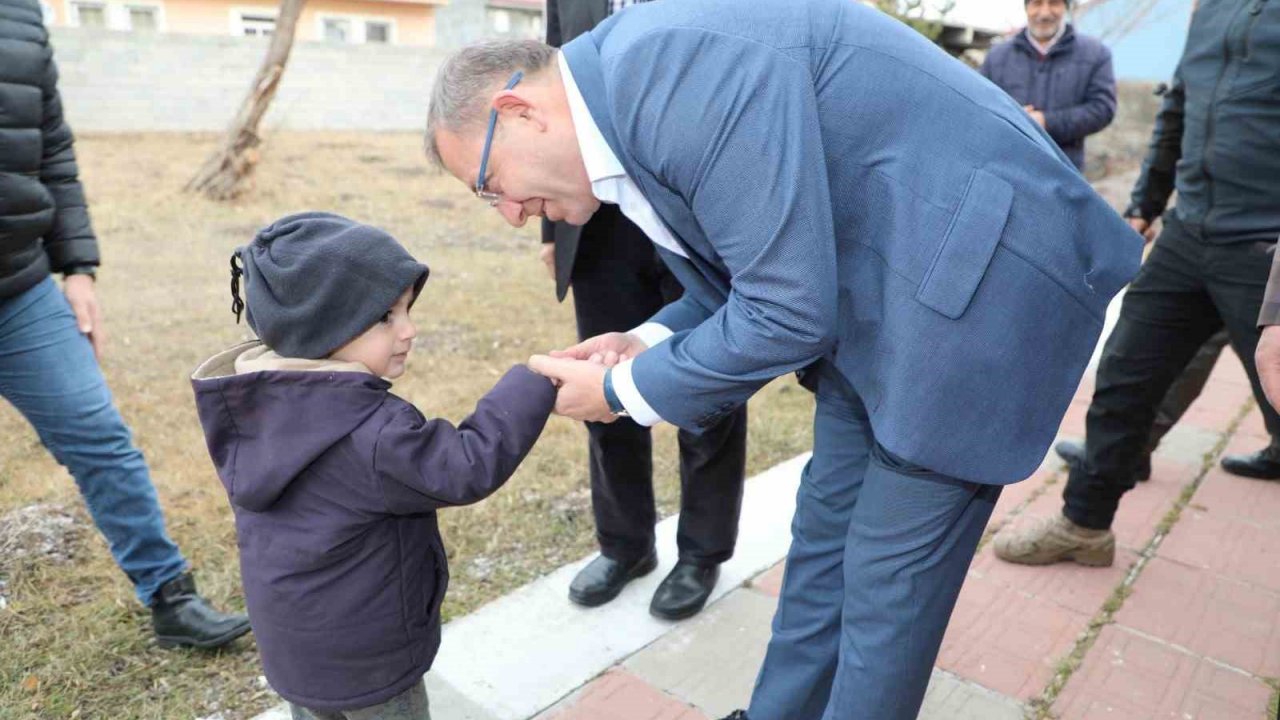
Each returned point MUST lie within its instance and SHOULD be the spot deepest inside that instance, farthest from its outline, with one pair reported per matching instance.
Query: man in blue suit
(837, 194)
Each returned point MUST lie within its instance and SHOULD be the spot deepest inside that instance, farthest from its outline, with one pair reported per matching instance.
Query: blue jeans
(49, 373)
(879, 551)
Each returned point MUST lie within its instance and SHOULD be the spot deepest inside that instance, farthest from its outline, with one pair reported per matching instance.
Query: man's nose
(512, 212)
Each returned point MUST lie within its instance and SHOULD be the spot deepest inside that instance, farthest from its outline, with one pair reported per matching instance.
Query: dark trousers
(1187, 291)
(1186, 388)
(618, 283)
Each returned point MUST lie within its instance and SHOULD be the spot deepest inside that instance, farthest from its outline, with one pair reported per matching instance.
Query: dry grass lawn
(75, 642)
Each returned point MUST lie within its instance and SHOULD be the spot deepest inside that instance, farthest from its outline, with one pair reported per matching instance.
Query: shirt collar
(1062, 30)
(597, 156)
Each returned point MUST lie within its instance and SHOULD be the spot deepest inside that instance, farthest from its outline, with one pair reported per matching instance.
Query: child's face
(384, 347)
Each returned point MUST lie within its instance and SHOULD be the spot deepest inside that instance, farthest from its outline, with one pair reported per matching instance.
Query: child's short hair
(316, 280)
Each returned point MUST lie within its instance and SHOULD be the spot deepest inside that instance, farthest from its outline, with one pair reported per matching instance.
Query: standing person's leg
(1186, 388)
(1237, 281)
(1166, 317)
(49, 373)
(713, 466)
(612, 292)
(796, 677)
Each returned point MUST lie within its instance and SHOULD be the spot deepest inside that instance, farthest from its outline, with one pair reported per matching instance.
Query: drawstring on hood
(237, 305)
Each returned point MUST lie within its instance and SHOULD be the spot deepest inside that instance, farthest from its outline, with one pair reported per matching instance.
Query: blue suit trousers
(879, 551)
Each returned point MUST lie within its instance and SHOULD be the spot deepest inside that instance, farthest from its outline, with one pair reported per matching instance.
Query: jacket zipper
(1254, 12)
(1211, 121)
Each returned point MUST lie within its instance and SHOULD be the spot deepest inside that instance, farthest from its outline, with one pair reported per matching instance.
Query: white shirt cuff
(625, 386)
(652, 333)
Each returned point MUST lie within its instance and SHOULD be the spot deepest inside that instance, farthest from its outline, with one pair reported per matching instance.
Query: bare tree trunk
(227, 172)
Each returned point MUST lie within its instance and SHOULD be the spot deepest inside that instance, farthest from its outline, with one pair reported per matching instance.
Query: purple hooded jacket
(334, 483)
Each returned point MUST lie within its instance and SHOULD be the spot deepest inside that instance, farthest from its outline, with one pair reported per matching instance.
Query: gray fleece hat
(315, 280)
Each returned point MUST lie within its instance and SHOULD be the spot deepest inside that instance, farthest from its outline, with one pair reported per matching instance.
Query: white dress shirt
(610, 184)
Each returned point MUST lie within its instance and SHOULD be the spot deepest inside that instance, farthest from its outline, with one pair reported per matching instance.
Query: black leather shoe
(1073, 453)
(736, 715)
(684, 591)
(603, 578)
(1263, 465)
(182, 618)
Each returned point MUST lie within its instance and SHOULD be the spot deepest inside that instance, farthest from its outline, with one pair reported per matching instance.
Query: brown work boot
(1051, 540)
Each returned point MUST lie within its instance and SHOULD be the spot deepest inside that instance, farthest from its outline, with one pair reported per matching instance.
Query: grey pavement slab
(1188, 444)
(952, 698)
(711, 661)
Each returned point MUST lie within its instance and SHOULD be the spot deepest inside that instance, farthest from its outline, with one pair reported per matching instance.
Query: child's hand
(581, 387)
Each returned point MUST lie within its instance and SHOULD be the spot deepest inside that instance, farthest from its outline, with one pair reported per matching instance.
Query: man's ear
(511, 104)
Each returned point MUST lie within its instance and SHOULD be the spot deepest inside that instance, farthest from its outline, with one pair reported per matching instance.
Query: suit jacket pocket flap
(970, 242)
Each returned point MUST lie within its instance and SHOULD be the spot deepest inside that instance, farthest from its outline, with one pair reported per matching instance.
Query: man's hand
(581, 387)
(84, 303)
(547, 254)
(1035, 114)
(608, 349)
(1146, 229)
(1267, 358)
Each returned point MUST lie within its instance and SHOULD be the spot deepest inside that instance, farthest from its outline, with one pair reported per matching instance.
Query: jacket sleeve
(427, 464)
(71, 240)
(1156, 180)
(1098, 109)
(732, 127)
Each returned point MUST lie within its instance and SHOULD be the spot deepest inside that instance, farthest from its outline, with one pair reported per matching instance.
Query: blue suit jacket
(846, 190)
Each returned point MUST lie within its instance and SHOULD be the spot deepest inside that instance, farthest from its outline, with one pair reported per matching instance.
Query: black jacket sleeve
(71, 241)
(1156, 181)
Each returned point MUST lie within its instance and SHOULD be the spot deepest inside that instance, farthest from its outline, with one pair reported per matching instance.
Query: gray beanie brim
(316, 280)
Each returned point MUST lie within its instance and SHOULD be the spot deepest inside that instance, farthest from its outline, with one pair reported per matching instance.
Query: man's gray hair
(467, 80)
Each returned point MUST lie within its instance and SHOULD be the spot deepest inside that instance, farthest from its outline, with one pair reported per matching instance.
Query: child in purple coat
(335, 481)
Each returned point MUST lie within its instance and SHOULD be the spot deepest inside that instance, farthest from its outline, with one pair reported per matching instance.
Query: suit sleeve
(71, 240)
(427, 464)
(1095, 112)
(732, 127)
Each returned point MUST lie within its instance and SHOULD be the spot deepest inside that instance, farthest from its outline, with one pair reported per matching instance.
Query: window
(47, 13)
(337, 30)
(377, 32)
(89, 15)
(143, 18)
(500, 20)
(257, 25)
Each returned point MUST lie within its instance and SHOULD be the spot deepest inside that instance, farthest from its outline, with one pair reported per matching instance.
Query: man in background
(1061, 78)
(619, 282)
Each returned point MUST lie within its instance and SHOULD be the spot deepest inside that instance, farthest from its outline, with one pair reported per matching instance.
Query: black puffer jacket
(1217, 137)
(44, 224)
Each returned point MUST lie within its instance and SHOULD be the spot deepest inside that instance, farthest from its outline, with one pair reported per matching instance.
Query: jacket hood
(266, 417)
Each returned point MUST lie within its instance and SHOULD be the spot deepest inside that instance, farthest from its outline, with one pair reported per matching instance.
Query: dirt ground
(75, 642)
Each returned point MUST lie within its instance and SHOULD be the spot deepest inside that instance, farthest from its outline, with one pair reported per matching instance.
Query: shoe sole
(598, 600)
(169, 642)
(1088, 558)
(1241, 472)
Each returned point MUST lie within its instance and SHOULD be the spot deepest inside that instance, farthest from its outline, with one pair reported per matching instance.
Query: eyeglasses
(492, 197)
